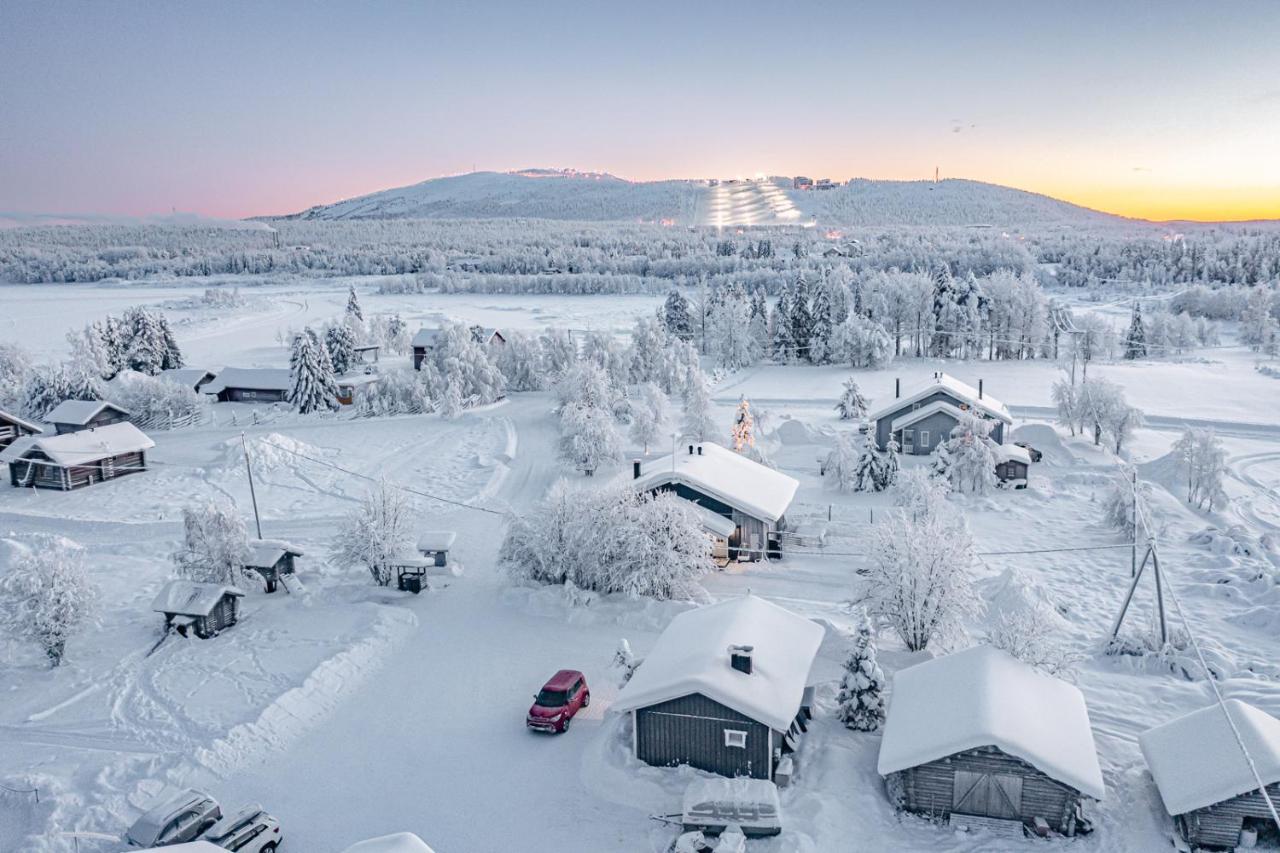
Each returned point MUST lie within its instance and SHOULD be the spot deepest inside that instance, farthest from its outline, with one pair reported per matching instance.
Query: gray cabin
(921, 420)
(274, 559)
(1013, 465)
(250, 385)
(980, 738)
(13, 428)
(202, 609)
(424, 341)
(724, 689)
(75, 415)
(1204, 783)
(752, 498)
(77, 459)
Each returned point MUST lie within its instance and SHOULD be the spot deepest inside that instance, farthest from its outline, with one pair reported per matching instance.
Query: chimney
(635, 469)
(897, 387)
(691, 450)
(740, 658)
(979, 389)
(699, 449)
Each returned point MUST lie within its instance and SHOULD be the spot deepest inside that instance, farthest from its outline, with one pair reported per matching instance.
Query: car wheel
(269, 848)
(586, 700)
(564, 727)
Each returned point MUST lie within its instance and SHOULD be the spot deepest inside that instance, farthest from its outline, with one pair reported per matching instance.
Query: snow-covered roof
(265, 553)
(20, 422)
(251, 378)
(189, 598)
(909, 417)
(436, 540)
(692, 656)
(84, 447)
(1011, 453)
(985, 697)
(426, 337)
(732, 478)
(961, 391)
(400, 842)
(744, 801)
(188, 376)
(1196, 761)
(352, 380)
(79, 412)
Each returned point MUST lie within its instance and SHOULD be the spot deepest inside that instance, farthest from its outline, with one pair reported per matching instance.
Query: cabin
(13, 428)
(424, 341)
(202, 609)
(353, 385)
(274, 559)
(753, 497)
(77, 459)
(435, 545)
(75, 415)
(1206, 785)
(487, 336)
(1013, 465)
(250, 385)
(724, 689)
(194, 378)
(984, 740)
(920, 421)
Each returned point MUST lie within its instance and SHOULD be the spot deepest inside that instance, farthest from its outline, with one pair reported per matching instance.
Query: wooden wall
(690, 730)
(1219, 825)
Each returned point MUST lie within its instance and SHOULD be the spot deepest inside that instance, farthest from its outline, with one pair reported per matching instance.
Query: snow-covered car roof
(25, 424)
(1197, 762)
(264, 553)
(81, 448)
(742, 483)
(79, 412)
(985, 697)
(400, 842)
(249, 378)
(692, 656)
(436, 540)
(148, 826)
(189, 598)
(962, 391)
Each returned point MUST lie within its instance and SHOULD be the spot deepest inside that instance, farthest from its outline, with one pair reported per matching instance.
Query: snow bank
(1045, 438)
(792, 432)
(271, 452)
(400, 842)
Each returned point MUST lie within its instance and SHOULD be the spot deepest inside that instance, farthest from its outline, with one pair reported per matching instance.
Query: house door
(987, 794)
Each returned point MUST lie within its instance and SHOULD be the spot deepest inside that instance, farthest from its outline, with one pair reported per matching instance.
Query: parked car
(564, 694)
(249, 830)
(182, 817)
(1035, 455)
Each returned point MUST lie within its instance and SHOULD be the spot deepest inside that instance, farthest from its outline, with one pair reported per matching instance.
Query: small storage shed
(250, 385)
(75, 415)
(1204, 780)
(435, 545)
(424, 341)
(400, 842)
(76, 459)
(1013, 465)
(366, 354)
(352, 385)
(981, 735)
(194, 378)
(723, 689)
(13, 428)
(203, 609)
(411, 573)
(273, 559)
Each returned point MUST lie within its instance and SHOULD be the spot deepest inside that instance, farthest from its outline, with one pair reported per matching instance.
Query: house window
(735, 738)
(924, 438)
(909, 436)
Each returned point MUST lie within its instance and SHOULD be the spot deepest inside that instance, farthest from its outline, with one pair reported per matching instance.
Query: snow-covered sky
(1162, 110)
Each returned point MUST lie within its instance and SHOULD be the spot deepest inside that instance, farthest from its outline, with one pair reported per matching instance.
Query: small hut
(13, 428)
(75, 415)
(202, 609)
(983, 739)
(273, 559)
(353, 385)
(366, 355)
(1204, 780)
(423, 344)
(1013, 465)
(435, 545)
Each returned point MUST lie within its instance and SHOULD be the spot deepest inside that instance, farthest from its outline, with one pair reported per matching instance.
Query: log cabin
(250, 385)
(77, 459)
(274, 559)
(202, 609)
(75, 415)
(13, 428)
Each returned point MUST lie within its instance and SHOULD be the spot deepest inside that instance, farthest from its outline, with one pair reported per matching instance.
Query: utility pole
(253, 495)
(1133, 551)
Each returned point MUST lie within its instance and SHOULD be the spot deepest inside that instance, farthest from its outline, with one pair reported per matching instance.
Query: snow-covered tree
(1025, 634)
(677, 316)
(860, 342)
(171, 355)
(542, 547)
(1203, 460)
(15, 367)
(154, 401)
(462, 363)
(801, 315)
(1126, 506)
(783, 342)
(559, 353)
(698, 423)
(1135, 340)
(650, 345)
(353, 305)
(521, 362)
(397, 392)
(851, 405)
(377, 532)
(311, 379)
(46, 596)
(860, 699)
(146, 345)
(731, 340)
(215, 544)
(340, 341)
(967, 459)
(742, 434)
(89, 352)
(871, 469)
(46, 387)
(589, 437)
(624, 663)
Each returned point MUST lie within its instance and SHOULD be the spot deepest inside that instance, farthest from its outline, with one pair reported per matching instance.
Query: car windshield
(552, 698)
(143, 833)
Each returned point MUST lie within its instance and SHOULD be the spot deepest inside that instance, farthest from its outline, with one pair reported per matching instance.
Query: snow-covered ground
(351, 711)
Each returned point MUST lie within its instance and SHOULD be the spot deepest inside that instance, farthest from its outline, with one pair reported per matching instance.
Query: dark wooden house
(274, 559)
(921, 420)
(724, 689)
(250, 385)
(1206, 785)
(423, 343)
(202, 609)
(1013, 465)
(754, 498)
(76, 459)
(75, 415)
(980, 738)
(13, 428)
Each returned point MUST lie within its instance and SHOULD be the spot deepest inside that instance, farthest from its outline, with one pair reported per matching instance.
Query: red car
(564, 694)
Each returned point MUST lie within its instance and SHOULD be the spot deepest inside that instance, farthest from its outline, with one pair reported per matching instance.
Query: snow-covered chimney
(635, 469)
(699, 449)
(740, 658)
(897, 387)
(979, 389)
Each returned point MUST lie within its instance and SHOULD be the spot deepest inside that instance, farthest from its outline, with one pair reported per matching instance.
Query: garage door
(987, 794)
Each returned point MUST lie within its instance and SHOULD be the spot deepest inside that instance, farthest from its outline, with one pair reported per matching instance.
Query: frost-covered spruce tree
(46, 387)
(171, 357)
(731, 340)
(648, 354)
(311, 379)
(801, 315)
(967, 458)
(851, 405)
(698, 423)
(742, 434)
(892, 464)
(871, 473)
(624, 663)
(146, 344)
(521, 362)
(340, 342)
(215, 544)
(1135, 340)
(822, 324)
(89, 352)
(353, 305)
(677, 316)
(377, 532)
(860, 699)
(46, 596)
(783, 342)
(842, 464)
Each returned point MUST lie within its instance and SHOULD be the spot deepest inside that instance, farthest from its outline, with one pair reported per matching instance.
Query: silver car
(182, 817)
(248, 830)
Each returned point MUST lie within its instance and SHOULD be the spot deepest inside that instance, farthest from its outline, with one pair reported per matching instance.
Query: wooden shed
(980, 738)
(274, 559)
(250, 385)
(352, 385)
(423, 343)
(202, 609)
(1013, 465)
(724, 689)
(77, 459)
(13, 428)
(1206, 783)
(75, 415)
(921, 420)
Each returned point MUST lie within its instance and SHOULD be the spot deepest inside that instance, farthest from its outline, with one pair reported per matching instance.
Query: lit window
(735, 738)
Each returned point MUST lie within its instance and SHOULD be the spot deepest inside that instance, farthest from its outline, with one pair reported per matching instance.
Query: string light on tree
(743, 427)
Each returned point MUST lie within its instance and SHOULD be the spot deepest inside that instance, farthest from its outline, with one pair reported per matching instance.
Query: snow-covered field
(350, 711)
